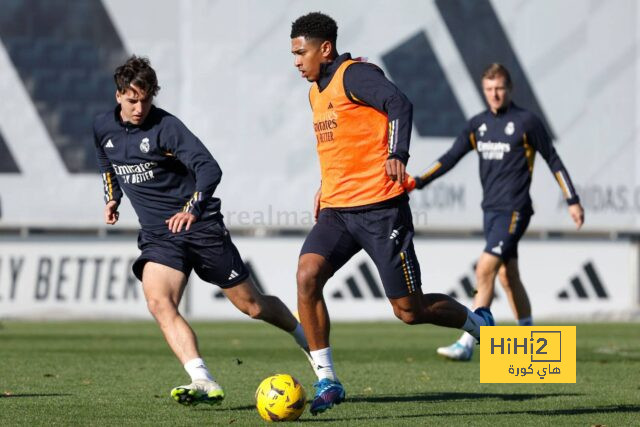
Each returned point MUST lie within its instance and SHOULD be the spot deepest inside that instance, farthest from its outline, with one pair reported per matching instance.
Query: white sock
(298, 335)
(324, 363)
(197, 370)
(525, 321)
(473, 323)
(467, 340)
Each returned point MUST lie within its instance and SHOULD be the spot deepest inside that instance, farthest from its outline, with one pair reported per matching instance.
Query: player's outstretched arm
(463, 144)
(111, 214)
(577, 214)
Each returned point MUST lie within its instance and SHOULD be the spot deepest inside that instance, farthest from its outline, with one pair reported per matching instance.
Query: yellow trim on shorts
(515, 216)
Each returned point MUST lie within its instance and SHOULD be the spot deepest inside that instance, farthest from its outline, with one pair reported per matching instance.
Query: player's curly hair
(136, 71)
(315, 25)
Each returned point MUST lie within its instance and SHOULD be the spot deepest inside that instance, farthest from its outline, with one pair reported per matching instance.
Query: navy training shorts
(207, 249)
(503, 231)
(385, 233)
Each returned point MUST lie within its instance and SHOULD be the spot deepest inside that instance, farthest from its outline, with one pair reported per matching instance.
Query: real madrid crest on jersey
(144, 145)
(510, 128)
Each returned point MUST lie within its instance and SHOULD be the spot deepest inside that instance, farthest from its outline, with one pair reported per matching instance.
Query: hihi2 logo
(528, 354)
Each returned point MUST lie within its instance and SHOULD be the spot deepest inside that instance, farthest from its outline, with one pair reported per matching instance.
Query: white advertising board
(92, 279)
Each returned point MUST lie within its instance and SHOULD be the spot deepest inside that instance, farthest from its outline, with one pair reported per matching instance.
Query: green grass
(84, 373)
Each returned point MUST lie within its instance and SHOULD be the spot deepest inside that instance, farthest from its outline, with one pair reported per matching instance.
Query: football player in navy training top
(170, 178)
(506, 138)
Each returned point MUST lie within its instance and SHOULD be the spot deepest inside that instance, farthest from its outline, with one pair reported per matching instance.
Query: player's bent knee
(307, 272)
(410, 318)
(161, 308)
(407, 316)
(309, 278)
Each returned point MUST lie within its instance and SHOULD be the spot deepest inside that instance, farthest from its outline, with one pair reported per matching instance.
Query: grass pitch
(89, 373)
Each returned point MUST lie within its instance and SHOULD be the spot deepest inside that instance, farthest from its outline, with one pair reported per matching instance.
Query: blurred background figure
(506, 138)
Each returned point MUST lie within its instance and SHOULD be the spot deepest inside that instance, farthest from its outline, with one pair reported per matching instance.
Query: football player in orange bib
(363, 125)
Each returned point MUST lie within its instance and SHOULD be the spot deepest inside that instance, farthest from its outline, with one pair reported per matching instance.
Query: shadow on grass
(226, 409)
(35, 395)
(443, 397)
(542, 412)
(429, 397)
